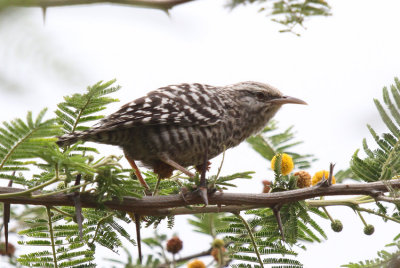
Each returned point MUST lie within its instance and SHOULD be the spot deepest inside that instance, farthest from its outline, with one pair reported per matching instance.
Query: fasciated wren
(175, 126)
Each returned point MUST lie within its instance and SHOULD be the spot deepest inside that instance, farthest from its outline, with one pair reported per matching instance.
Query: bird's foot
(183, 193)
(204, 192)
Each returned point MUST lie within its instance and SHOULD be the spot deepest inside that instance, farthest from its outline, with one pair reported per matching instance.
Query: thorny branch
(219, 202)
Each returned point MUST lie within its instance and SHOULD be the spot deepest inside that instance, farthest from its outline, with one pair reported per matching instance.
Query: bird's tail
(71, 138)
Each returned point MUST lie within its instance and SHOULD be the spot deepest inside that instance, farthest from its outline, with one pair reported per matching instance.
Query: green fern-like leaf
(208, 223)
(21, 140)
(382, 163)
(298, 227)
(62, 249)
(385, 259)
(287, 13)
(78, 109)
(267, 236)
(99, 227)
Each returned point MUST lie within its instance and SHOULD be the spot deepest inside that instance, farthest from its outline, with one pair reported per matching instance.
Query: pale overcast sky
(338, 65)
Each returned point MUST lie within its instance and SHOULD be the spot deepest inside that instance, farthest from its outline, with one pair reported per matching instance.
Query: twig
(99, 225)
(53, 247)
(352, 203)
(220, 165)
(63, 190)
(253, 241)
(389, 199)
(6, 195)
(370, 211)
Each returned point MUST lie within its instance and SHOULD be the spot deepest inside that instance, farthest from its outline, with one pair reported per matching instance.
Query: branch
(157, 4)
(223, 202)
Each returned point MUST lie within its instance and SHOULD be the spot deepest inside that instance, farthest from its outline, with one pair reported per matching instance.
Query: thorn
(6, 220)
(375, 193)
(276, 209)
(7, 216)
(204, 195)
(138, 239)
(166, 10)
(323, 182)
(78, 206)
(326, 182)
(44, 10)
(331, 166)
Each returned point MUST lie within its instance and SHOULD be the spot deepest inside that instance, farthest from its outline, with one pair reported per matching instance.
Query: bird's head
(260, 97)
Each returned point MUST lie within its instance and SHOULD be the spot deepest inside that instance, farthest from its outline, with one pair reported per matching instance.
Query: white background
(338, 65)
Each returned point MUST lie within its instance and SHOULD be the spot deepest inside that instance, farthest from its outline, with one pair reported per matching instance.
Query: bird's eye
(260, 95)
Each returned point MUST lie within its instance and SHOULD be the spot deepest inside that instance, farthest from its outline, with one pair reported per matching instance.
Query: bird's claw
(201, 191)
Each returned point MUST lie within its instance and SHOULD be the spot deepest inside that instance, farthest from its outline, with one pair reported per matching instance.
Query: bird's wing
(183, 104)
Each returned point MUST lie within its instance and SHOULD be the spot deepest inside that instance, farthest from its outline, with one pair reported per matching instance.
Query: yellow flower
(318, 177)
(196, 264)
(286, 163)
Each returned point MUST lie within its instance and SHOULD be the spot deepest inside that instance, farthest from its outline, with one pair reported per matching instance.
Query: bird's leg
(172, 163)
(157, 185)
(137, 173)
(165, 171)
(203, 181)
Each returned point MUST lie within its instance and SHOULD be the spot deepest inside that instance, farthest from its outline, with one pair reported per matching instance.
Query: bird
(182, 125)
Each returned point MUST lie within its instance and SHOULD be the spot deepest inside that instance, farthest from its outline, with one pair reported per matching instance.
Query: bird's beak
(287, 99)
